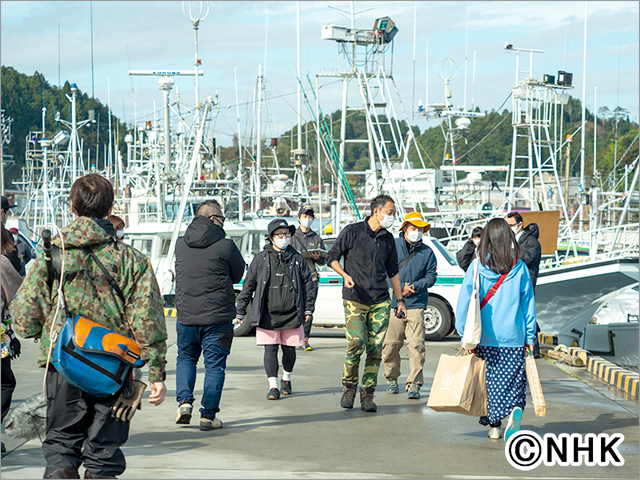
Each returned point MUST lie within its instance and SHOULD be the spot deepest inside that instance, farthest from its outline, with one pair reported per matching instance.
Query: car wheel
(437, 320)
(244, 328)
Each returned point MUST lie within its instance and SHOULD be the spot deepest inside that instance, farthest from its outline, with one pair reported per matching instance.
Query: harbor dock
(308, 435)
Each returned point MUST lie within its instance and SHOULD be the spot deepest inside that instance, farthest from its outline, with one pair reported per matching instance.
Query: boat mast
(240, 179)
(583, 132)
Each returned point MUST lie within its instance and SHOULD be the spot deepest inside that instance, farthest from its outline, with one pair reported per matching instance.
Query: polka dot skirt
(506, 381)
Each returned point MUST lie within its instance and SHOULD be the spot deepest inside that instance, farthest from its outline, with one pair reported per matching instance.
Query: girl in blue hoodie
(508, 324)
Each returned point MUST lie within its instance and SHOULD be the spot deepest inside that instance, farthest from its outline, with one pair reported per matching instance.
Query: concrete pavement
(308, 435)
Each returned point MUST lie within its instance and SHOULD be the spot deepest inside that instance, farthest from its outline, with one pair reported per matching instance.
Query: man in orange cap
(417, 265)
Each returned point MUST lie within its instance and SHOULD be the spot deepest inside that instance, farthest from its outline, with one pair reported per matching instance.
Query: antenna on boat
(195, 20)
(466, 59)
(413, 76)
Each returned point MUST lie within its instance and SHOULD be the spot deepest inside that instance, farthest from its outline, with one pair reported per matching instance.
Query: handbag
(473, 326)
(92, 357)
(459, 385)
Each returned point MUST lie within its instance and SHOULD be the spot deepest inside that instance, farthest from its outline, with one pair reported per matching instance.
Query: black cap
(307, 210)
(280, 223)
(5, 204)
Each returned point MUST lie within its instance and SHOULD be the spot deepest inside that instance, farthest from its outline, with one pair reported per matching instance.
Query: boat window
(143, 245)
(148, 212)
(445, 253)
(164, 249)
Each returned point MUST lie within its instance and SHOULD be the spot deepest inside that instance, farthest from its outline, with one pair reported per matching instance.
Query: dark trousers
(271, 359)
(80, 429)
(214, 343)
(8, 385)
(307, 325)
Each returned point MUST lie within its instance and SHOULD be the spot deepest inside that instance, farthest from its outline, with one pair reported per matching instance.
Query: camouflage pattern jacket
(88, 292)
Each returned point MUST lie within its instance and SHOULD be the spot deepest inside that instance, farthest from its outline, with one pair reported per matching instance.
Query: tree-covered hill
(23, 98)
(488, 140)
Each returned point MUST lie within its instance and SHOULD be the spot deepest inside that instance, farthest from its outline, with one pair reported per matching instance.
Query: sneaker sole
(413, 397)
(272, 397)
(184, 419)
(370, 409)
(285, 393)
(513, 425)
(309, 349)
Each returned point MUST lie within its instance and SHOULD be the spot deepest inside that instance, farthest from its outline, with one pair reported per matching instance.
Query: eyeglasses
(282, 235)
(221, 217)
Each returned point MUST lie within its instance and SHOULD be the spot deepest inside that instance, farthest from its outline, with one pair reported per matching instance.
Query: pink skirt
(292, 337)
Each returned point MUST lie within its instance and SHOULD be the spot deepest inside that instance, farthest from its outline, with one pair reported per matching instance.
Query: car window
(445, 253)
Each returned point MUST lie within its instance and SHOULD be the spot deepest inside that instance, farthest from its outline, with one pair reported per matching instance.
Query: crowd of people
(278, 297)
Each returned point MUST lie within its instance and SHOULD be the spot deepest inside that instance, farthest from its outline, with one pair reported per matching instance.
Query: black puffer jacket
(466, 255)
(257, 280)
(207, 266)
(531, 250)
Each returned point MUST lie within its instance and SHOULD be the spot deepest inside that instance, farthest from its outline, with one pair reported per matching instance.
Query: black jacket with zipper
(369, 258)
(531, 250)
(207, 266)
(256, 284)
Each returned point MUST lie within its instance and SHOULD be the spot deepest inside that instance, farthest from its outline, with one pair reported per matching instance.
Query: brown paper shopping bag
(454, 384)
(479, 403)
(533, 379)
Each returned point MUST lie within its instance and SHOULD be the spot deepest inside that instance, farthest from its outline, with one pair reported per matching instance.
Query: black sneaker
(285, 387)
(274, 394)
(348, 397)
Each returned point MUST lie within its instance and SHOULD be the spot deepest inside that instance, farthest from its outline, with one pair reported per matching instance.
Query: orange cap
(416, 218)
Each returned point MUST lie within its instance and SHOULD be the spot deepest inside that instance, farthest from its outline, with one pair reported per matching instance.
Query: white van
(439, 317)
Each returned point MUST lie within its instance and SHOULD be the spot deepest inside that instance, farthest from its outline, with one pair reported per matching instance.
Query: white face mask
(120, 233)
(306, 222)
(413, 236)
(516, 229)
(387, 221)
(281, 243)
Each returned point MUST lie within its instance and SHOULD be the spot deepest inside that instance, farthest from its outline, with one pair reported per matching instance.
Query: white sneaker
(495, 433)
(513, 425)
(207, 424)
(183, 415)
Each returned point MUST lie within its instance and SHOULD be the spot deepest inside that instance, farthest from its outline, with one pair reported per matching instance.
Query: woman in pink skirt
(279, 283)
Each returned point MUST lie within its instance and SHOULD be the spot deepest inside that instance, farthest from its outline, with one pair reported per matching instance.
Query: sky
(54, 38)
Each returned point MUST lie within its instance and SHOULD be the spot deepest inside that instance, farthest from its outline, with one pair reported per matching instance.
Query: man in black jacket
(370, 256)
(303, 240)
(466, 255)
(207, 266)
(530, 248)
(530, 254)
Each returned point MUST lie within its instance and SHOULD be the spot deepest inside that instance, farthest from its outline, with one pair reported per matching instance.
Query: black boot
(366, 399)
(348, 395)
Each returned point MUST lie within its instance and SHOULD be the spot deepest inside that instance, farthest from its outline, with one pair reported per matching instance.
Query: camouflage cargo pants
(366, 326)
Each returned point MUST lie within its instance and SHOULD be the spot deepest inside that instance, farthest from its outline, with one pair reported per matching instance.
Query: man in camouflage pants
(370, 257)
(80, 427)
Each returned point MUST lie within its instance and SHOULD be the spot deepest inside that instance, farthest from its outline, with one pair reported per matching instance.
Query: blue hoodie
(509, 318)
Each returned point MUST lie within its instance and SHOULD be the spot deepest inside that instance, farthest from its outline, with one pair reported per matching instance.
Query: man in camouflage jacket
(76, 419)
